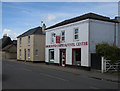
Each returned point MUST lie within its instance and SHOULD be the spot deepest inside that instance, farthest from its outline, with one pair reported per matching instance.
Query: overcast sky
(18, 17)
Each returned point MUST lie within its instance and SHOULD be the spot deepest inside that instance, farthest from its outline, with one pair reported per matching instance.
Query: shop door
(62, 57)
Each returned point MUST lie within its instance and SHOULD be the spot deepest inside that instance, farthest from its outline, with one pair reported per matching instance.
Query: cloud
(9, 32)
(50, 17)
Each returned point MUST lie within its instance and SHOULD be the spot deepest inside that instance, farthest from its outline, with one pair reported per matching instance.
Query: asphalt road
(21, 76)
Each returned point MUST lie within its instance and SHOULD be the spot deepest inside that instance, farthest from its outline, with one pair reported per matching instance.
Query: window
(20, 41)
(52, 37)
(51, 55)
(36, 52)
(28, 53)
(28, 40)
(76, 34)
(76, 56)
(20, 53)
(63, 36)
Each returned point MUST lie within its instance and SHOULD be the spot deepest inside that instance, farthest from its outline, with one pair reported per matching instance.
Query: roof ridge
(82, 17)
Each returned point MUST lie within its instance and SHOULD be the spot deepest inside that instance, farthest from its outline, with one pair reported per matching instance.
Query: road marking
(53, 76)
(26, 69)
(94, 88)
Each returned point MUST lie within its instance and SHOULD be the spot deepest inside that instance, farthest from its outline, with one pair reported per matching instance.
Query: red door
(62, 57)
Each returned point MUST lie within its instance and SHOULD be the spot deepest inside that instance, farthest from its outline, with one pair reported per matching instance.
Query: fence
(106, 66)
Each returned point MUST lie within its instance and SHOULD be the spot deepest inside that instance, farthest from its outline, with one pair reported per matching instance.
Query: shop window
(76, 56)
(20, 53)
(28, 40)
(63, 36)
(51, 55)
(28, 53)
(76, 34)
(20, 41)
(36, 52)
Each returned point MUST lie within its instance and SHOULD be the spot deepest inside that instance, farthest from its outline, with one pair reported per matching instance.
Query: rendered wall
(69, 38)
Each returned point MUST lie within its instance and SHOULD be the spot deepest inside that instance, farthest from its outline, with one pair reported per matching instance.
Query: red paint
(60, 61)
(72, 56)
(57, 39)
(68, 44)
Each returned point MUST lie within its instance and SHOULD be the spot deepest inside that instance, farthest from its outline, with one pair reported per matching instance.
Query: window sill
(76, 39)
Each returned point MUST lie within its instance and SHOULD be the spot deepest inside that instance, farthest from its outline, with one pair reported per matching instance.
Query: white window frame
(76, 34)
(28, 53)
(62, 36)
(50, 55)
(52, 38)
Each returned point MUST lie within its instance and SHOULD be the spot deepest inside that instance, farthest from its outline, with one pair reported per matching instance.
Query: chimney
(117, 18)
(43, 28)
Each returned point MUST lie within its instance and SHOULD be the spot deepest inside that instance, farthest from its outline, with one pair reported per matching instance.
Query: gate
(95, 61)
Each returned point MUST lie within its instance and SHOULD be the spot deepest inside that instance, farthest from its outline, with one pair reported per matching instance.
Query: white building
(72, 41)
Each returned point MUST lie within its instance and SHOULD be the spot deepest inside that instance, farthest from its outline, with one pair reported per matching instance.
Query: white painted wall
(69, 38)
(101, 32)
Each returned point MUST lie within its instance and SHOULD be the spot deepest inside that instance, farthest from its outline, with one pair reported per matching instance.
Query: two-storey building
(31, 45)
(72, 41)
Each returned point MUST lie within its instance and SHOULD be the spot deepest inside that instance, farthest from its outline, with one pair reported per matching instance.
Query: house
(31, 45)
(8, 48)
(10, 51)
(72, 42)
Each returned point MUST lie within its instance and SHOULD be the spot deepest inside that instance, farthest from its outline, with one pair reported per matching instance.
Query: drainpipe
(115, 35)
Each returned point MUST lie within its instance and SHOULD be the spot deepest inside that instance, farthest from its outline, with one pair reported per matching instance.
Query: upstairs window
(53, 37)
(28, 40)
(76, 34)
(63, 36)
(20, 53)
(20, 41)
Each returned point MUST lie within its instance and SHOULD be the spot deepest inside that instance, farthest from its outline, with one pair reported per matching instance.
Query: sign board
(57, 39)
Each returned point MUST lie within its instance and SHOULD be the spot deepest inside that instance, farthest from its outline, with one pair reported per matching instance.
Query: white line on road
(53, 76)
(26, 69)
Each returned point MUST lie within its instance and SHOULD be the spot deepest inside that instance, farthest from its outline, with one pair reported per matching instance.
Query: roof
(7, 47)
(37, 30)
(85, 16)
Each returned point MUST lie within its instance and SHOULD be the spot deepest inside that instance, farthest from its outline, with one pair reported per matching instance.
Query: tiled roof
(37, 30)
(6, 47)
(85, 16)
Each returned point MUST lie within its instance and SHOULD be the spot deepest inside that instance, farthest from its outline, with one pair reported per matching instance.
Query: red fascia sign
(57, 39)
(68, 44)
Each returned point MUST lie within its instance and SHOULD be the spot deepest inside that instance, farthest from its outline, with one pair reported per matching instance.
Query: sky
(18, 17)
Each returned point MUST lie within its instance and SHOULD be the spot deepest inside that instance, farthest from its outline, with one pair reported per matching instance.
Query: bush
(109, 52)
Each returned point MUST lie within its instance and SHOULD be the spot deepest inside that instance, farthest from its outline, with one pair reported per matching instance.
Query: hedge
(110, 52)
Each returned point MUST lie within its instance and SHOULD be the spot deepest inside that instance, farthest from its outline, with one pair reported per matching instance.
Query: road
(22, 76)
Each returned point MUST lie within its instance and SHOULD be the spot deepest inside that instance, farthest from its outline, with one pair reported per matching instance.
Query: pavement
(96, 74)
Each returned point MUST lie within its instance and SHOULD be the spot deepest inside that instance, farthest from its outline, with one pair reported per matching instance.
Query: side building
(31, 45)
(72, 42)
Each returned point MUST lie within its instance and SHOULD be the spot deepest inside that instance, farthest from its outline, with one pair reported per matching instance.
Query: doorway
(62, 57)
(25, 54)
